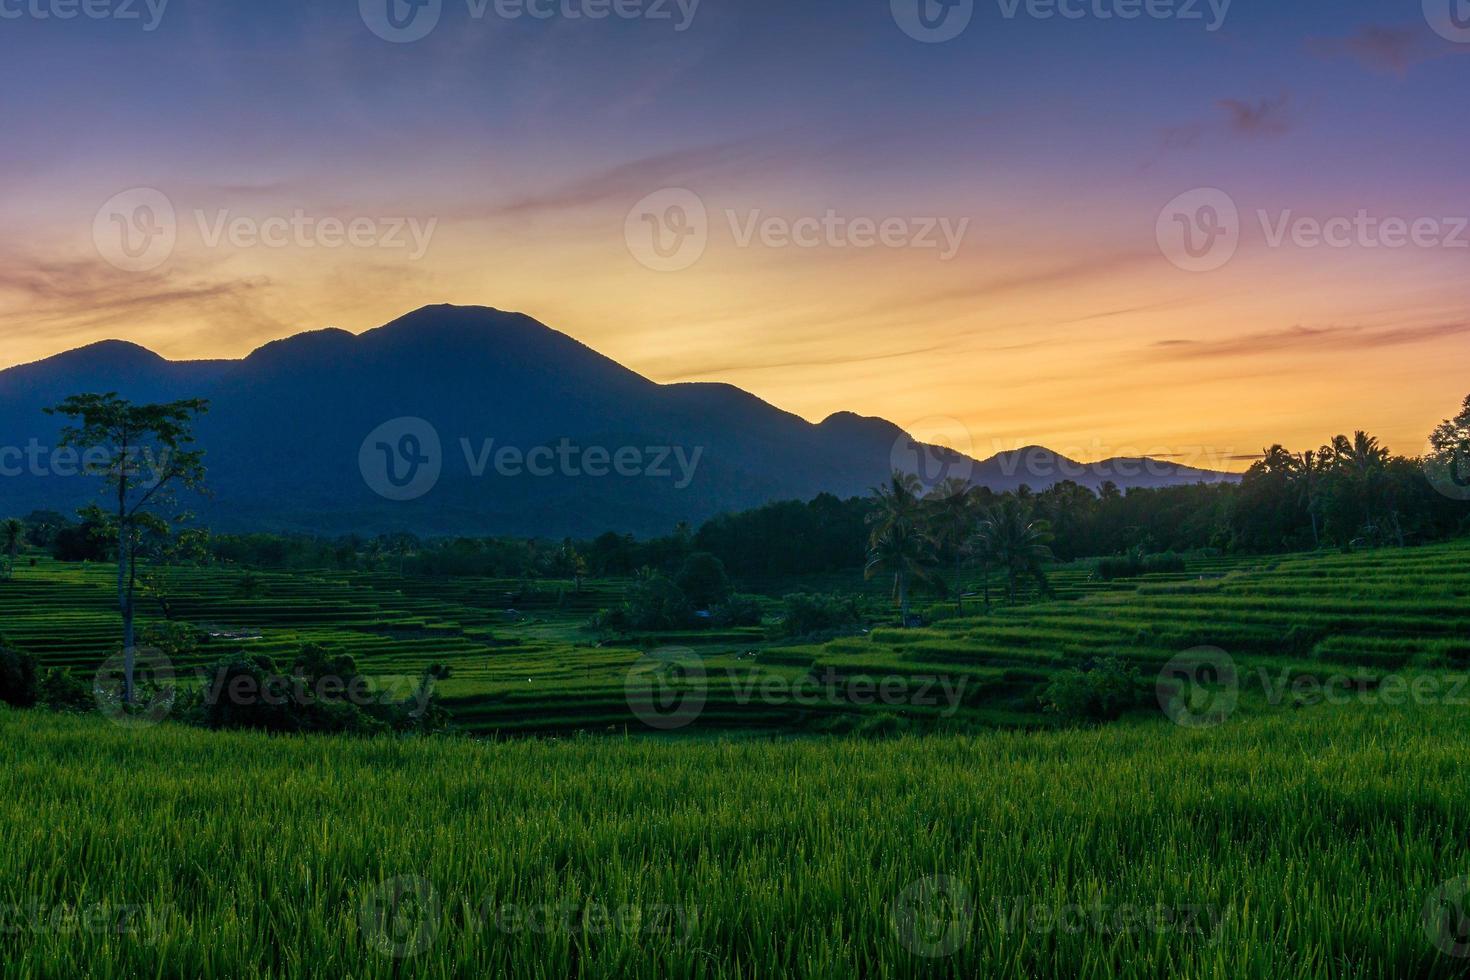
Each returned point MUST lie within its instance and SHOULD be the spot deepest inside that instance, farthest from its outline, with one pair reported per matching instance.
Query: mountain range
(468, 421)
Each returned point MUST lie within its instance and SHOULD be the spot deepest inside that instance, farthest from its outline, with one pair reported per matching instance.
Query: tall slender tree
(899, 542)
(952, 519)
(144, 453)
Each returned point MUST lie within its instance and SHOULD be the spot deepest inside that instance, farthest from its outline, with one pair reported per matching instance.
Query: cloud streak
(1307, 338)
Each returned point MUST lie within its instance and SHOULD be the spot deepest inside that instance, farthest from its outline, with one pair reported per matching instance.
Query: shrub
(1099, 690)
(19, 686)
(805, 614)
(738, 610)
(61, 690)
(611, 620)
(656, 603)
(1134, 565)
(324, 692)
(703, 581)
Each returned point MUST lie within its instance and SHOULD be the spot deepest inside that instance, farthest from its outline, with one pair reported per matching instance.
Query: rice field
(1329, 842)
(1287, 831)
(522, 663)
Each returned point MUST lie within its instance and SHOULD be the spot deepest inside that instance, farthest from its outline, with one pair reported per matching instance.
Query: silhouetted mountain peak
(104, 353)
(310, 344)
(853, 424)
(286, 427)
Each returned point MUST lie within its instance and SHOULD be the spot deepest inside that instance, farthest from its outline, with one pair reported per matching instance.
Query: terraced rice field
(535, 670)
(1295, 838)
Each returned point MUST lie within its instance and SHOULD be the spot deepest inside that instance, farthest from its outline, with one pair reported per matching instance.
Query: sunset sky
(523, 144)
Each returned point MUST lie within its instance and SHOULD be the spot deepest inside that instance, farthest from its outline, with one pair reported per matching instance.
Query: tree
(1449, 457)
(1309, 478)
(1018, 542)
(703, 580)
(143, 453)
(952, 519)
(898, 542)
(907, 552)
(1358, 467)
(11, 533)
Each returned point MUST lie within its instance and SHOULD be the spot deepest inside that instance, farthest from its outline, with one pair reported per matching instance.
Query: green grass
(1303, 844)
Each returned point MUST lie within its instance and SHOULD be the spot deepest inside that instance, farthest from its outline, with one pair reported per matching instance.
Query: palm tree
(898, 542)
(12, 531)
(898, 501)
(906, 551)
(1309, 472)
(1018, 542)
(1363, 461)
(951, 521)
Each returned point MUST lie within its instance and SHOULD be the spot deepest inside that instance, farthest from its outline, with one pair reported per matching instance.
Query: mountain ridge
(300, 427)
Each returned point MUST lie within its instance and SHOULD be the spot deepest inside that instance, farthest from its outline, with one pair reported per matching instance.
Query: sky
(1190, 228)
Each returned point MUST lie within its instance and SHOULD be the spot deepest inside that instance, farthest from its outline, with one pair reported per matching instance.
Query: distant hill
(537, 434)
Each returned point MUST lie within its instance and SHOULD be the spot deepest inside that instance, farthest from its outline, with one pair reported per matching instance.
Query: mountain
(468, 420)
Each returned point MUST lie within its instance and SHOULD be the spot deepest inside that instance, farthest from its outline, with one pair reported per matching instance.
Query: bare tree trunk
(903, 599)
(125, 606)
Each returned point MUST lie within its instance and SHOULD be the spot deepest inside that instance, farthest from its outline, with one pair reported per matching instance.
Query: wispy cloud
(626, 182)
(1306, 338)
(1263, 117)
(1383, 48)
(67, 300)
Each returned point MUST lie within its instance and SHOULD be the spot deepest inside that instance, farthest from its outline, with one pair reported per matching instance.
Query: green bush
(656, 603)
(19, 681)
(323, 692)
(1100, 690)
(738, 610)
(703, 581)
(61, 690)
(1134, 565)
(807, 614)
